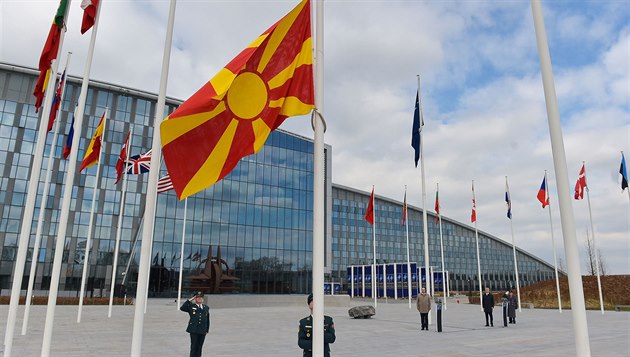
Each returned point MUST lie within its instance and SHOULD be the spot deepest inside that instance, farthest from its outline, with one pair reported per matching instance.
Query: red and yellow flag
(94, 149)
(232, 115)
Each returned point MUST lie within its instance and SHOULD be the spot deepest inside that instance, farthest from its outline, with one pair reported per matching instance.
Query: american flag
(139, 164)
(164, 184)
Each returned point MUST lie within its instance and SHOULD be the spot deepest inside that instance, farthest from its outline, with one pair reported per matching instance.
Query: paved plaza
(272, 331)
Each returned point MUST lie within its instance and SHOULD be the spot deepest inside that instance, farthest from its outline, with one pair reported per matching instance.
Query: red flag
(437, 208)
(543, 197)
(369, 212)
(473, 215)
(89, 14)
(40, 88)
(580, 185)
(56, 102)
(120, 164)
(93, 151)
(404, 215)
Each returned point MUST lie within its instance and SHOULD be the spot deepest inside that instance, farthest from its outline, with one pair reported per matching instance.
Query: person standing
(512, 306)
(487, 303)
(423, 304)
(199, 322)
(305, 332)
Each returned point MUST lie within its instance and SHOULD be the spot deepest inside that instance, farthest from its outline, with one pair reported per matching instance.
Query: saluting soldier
(305, 333)
(199, 323)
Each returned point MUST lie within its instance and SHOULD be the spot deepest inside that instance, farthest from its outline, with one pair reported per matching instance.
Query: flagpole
(424, 198)
(91, 221)
(29, 208)
(590, 216)
(578, 308)
(318, 184)
(477, 243)
(147, 231)
(181, 258)
(553, 243)
(518, 289)
(408, 252)
(437, 188)
(120, 223)
(42, 209)
(374, 245)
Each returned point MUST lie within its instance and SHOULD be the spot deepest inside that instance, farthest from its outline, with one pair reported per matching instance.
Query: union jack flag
(139, 164)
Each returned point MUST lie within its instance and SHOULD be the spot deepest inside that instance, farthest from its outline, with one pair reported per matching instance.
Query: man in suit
(199, 322)
(487, 303)
(305, 333)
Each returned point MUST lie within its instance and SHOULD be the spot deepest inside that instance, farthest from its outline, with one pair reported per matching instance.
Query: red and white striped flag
(164, 184)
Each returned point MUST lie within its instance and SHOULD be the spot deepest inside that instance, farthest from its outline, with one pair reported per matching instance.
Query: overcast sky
(482, 94)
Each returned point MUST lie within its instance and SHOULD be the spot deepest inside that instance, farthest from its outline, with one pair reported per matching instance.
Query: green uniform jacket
(199, 318)
(305, 335)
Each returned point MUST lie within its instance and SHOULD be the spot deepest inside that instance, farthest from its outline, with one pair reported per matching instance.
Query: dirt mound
(615, 291)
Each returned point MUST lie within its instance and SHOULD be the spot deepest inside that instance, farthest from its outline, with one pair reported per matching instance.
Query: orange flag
(94, 149)
(232, 115)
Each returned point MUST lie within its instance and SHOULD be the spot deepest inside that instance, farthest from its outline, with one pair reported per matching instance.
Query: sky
(481, 89)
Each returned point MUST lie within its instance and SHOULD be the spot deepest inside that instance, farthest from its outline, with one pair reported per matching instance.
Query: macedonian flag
(232, 115)
(93, 152)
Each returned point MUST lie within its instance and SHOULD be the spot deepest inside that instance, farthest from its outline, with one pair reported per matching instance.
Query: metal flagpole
(181, 258)
(578, 308)
(67, 194)
(477, 243)
(590, 216)
(352, 281)
(553, 243)
(147, 230)
(120, 223)
(318, 185)
(31, 196)
(42, 209)
(374, 246)
(509, 199)
(424, 198)
(91, 224)
(437, 188)
(408, 253)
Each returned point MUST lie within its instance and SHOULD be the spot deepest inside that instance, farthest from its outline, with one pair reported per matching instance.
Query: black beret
(309, 299)
(199, 293)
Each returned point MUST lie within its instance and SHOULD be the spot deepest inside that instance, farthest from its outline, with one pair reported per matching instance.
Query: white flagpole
(437, 188)
(42, 209)
(553, 243)
(120, 223)
(318, 185)
(590, 216)
(408, 253)
(374, 246)
(352, 281)
(518, 289)
(578, 308)
(395, 282)
(477, 243)
(181, 258)
(147, 230)
(91, 224)
(424, 198)
(67, 195)
(31, 196)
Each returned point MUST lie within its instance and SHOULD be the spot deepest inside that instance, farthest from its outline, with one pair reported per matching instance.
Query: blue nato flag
(418, 123)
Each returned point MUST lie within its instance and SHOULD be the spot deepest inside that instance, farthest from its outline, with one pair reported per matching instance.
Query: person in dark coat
(487, 302)
(199, 323)
(305, 333)
(512, 306)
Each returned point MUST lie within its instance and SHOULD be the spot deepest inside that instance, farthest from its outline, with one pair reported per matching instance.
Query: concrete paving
(272, 331)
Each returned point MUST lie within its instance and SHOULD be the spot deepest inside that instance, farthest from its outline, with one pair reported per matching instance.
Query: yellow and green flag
(232, 115)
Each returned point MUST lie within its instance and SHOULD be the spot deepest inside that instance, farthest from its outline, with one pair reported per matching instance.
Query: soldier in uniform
(199, 323)
(305, 333)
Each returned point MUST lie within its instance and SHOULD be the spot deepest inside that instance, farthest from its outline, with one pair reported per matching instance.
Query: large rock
(362, 312)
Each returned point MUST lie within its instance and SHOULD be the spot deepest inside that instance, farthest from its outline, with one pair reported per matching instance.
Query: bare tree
(602, 263)
(561, 266)
(591, 269)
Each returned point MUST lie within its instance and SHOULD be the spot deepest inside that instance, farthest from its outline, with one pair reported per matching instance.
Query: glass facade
(352, 245)
(260, 215)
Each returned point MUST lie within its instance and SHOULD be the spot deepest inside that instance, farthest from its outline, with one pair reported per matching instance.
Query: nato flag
(418, 123)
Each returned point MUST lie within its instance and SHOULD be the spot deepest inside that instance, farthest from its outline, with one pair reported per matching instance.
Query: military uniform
(305, 335)
(198, 325)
